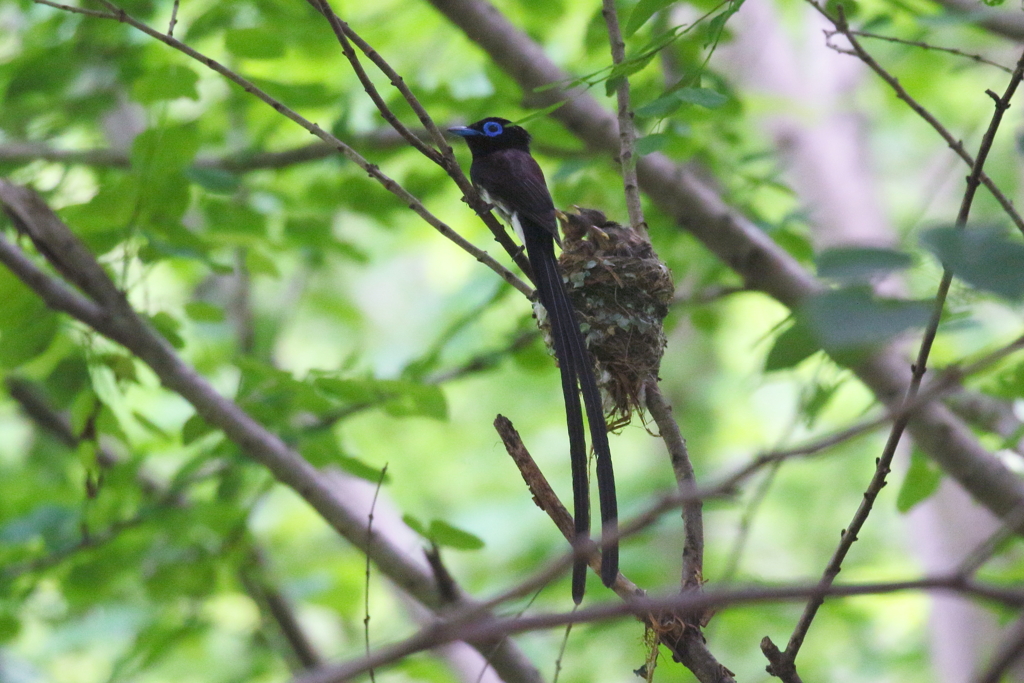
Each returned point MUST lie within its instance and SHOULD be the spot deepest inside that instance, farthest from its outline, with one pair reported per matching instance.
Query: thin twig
(446, 157)
(677, 634)
(373, 170)
(174, 18)
(929, 46)
(627, 131)
(858, 51)
(918, 370)
(76, 10)
(458, 628)
(693, 518)
(369, 543)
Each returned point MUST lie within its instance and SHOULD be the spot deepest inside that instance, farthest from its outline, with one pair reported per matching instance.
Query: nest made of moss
(621, 291)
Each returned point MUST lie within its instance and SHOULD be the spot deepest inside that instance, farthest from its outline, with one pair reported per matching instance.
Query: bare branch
(679, 635)
(456, 626)
(627, 132)
(693, 518)
(928, 46)
(858, 51)
(920, 366)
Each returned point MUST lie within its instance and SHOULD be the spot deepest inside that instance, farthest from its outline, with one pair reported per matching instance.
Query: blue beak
(463, 131)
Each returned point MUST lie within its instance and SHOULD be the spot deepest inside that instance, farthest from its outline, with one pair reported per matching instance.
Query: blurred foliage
(342, 322)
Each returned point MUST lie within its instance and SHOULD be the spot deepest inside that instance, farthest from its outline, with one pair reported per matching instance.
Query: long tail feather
(577, 366)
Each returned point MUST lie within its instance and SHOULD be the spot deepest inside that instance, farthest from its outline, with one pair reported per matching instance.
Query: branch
(920, 366)
(680, 637)
(122, 324)
(458, 626)
(627, 132)
(1004, 22)
(843, 28)
(762, 264)
(446, 157)
(693, 518)
(928, 46)
(348, 152)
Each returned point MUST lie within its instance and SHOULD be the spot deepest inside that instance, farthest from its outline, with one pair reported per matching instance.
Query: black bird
(509, 178)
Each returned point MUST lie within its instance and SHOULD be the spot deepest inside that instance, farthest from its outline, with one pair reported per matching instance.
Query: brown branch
(627, 131)
(882, 467)
(928, 46)
(693, 518)
(446, 157)
(457, 626)
(122, 324)
(680, 636)
(843, 28)
(348, 152)
(281, 611)
(1004, 22)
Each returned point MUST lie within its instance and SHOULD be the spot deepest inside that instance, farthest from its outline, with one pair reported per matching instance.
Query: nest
(621, 292)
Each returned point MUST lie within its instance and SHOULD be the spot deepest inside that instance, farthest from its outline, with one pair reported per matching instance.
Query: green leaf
(851, 264)
(540, 113)
(166, 83)
(416, 525)
(254, 43)
(259, 263)
(204, 312)
(160, 151)
(111, 209)
(215, 180)
(401, 398)
(652, 143)
(853, 318)
(791, 347)
(82, 410)
(444, 534)
(168, 327)
(661, 107)
(644, 10)
(983, 256)
(27, 326)
(313, 94)
(194, 429)
(702, 97)
(922, 480)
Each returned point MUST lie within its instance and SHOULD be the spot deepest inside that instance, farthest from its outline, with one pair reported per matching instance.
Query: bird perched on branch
(509, 178)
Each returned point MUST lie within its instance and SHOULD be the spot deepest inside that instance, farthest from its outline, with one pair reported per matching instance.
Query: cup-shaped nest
(621, 291)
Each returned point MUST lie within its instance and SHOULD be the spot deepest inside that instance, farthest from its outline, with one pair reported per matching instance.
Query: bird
(508, 177)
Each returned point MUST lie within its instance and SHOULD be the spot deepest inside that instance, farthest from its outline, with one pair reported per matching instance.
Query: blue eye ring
(492, 129)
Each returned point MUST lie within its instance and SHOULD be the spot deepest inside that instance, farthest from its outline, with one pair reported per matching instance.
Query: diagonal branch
(919, 369)
(348, 152)
(122, 324)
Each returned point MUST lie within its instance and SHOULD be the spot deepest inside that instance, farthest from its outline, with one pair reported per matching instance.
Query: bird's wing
(515, 182)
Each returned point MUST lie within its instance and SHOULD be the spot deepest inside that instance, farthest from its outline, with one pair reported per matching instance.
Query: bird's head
(493, 134)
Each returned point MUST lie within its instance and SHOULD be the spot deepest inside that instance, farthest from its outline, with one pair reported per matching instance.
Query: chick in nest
(621, 291)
